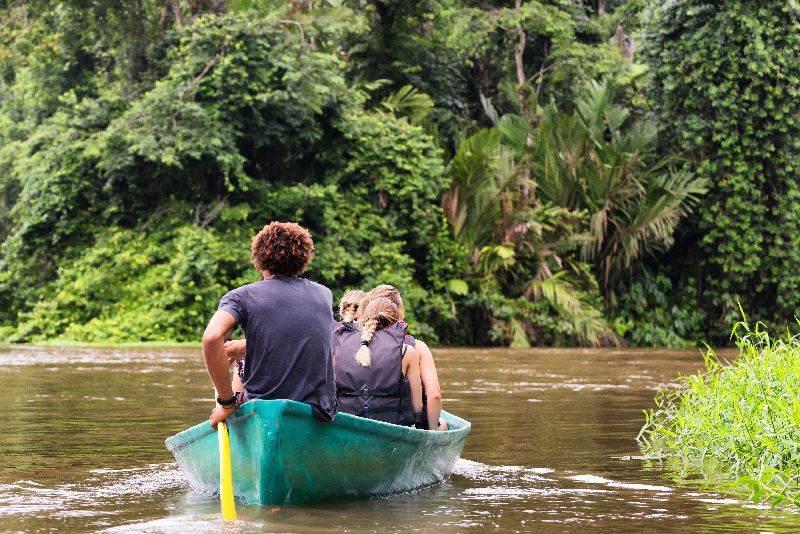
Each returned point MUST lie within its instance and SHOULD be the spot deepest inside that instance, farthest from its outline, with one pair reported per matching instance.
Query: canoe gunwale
(361, 424)
(180, 440)
(391, 431)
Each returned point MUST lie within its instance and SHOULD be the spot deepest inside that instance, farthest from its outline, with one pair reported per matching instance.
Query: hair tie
(365, 343)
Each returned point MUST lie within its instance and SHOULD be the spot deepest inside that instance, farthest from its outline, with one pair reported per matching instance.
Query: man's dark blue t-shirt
(287, 322)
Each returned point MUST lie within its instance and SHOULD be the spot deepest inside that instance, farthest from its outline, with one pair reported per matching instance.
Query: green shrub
(742, 415)
(655, 315)
(161, 286)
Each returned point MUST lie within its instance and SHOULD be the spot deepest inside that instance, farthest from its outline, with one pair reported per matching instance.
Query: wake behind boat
(282, 455)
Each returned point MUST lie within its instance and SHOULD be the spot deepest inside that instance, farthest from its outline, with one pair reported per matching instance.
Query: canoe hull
(282, 455)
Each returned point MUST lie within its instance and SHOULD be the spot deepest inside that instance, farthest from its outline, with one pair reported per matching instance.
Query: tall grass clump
(743, 415)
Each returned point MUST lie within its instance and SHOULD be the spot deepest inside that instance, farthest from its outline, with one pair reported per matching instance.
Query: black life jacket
(380, 391)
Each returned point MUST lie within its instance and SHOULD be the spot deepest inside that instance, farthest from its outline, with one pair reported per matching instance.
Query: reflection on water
(551, 449)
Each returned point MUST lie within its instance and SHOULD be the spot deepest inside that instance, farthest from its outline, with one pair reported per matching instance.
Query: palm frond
(408, 100)
(515, 131)
(588, 323)
(477, 177)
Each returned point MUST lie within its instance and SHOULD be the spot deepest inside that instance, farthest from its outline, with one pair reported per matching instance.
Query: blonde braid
(348, 306)
(379, 313)
(360, 307)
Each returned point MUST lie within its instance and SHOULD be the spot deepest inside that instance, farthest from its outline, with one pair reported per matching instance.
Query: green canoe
(282, 455)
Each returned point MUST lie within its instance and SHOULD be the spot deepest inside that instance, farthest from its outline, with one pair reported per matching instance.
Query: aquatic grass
(744, 415)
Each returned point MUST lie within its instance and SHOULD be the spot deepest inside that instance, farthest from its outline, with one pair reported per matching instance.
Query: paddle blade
(225, 473)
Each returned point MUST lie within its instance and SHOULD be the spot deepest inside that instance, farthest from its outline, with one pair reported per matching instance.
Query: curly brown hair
(284, 249)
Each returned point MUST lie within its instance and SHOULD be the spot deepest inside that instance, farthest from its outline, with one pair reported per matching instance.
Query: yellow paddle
(225, 473)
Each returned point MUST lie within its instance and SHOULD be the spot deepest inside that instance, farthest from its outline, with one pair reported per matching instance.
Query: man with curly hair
(287, 321)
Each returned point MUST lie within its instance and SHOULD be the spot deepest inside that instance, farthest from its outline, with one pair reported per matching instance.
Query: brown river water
(82, 449)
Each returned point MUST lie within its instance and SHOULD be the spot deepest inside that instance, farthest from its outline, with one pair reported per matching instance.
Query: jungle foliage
(498, 161)
(724, 82)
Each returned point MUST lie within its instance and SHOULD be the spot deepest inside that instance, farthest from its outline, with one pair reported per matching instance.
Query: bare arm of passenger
(219, 328)
(430, 379)
(236, 383)
(235, 350)
(411, 370)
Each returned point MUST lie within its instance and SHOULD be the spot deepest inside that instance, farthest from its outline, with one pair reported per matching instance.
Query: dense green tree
(725, 85)
(252, 121)
(465, 52)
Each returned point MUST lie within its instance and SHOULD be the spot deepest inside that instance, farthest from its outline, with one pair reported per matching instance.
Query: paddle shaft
(225, 473)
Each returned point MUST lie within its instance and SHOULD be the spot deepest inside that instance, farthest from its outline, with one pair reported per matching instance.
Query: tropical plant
(539, 199)
(408, 101)
(601, 161)
(517, 243)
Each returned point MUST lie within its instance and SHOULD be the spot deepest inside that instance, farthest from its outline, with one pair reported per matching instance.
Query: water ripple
(107, 485)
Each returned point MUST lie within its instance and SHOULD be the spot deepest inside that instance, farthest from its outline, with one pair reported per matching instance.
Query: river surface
(82, 449)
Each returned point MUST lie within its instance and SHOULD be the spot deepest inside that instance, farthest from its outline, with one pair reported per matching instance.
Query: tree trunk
(176, 10)
(519, 51)
(624, 43)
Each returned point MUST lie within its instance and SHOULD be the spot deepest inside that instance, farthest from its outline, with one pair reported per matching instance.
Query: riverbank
(108, 345)
(741, 413)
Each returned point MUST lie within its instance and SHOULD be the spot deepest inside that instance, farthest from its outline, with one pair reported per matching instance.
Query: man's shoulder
(316, 286)
(245, 289)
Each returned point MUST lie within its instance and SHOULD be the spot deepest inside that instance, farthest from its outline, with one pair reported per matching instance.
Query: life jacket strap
(368, 393)
(367, 410)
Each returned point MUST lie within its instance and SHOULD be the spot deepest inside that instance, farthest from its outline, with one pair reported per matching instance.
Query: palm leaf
(588, 324)
(408, 100)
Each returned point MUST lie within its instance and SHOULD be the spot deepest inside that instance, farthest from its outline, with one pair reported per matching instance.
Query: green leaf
(457, 286)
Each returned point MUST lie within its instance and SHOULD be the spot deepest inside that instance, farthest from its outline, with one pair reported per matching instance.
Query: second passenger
(377, 374)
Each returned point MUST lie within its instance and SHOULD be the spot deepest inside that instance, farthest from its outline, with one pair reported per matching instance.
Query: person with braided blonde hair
(377, 374)
(429, 418)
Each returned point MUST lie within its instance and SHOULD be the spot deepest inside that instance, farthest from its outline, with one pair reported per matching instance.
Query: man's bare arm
(218, 330)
